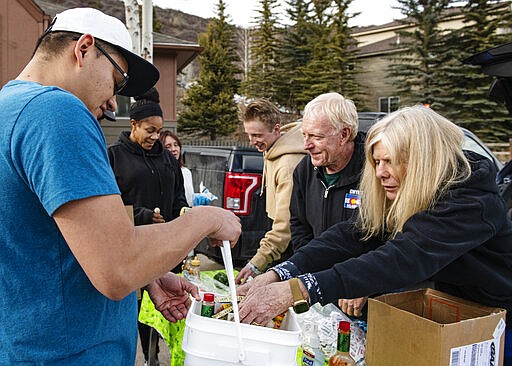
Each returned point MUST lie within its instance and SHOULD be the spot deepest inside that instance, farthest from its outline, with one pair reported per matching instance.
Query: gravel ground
(164, 356)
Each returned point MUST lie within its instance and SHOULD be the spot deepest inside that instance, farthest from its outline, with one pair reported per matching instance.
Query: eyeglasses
(117, 87)
(126, 77)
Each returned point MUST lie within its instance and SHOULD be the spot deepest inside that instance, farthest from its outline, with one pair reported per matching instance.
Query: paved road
(164, 356)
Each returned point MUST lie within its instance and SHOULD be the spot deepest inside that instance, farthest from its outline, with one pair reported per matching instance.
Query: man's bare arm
(118, 257)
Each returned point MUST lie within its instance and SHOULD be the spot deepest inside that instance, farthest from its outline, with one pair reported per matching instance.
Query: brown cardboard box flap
(421, 327)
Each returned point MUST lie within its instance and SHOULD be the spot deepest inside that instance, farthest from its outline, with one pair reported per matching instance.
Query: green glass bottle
(342, 355)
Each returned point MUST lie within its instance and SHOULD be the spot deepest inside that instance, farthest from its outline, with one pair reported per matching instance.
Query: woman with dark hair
(148, 176)
(172, 143)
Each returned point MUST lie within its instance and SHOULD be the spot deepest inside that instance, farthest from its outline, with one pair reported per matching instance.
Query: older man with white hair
(326, 181)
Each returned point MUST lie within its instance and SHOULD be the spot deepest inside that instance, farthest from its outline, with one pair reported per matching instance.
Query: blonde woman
(430, 211)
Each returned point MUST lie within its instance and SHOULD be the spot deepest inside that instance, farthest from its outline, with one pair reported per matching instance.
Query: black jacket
(463, 244)
(314, 207)
(147, 179)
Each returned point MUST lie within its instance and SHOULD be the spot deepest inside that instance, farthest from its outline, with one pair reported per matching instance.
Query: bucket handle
(228, 264)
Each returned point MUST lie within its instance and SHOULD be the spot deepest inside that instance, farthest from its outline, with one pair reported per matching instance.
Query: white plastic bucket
(214, 342)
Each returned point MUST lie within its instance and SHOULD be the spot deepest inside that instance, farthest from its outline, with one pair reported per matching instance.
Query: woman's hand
(353, 307)
(158, 218)
(265, 303)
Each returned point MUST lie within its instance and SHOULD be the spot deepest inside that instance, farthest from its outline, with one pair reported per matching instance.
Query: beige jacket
(279, 162)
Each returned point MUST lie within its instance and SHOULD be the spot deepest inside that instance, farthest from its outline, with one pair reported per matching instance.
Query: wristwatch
(300, 305)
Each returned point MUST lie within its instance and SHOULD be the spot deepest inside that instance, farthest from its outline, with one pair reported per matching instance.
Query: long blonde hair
(426, 151)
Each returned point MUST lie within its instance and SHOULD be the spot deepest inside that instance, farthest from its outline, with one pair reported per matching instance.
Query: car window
(470, 144)
(252, 163)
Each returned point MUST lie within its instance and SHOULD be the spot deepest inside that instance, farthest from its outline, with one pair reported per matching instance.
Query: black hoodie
(463, 244)
(147, 179)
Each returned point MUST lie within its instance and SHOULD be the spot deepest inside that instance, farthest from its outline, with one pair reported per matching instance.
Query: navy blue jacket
(314, 207)
(463, 244)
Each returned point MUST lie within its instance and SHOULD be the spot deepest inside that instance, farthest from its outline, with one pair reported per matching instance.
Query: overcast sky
(242, 12)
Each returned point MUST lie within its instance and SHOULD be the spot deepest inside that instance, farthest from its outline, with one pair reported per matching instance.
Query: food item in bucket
(207, 305)
(222, 278)
(278, 320)
(223, 314)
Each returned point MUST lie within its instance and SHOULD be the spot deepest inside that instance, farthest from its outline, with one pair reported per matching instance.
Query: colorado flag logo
(352, 199)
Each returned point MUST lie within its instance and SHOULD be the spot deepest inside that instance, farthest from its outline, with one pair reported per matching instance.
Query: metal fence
(241, 143)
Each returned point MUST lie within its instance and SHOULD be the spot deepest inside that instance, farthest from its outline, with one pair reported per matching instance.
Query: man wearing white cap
(71, 258)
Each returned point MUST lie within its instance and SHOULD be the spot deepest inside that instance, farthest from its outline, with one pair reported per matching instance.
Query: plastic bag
(204, 198)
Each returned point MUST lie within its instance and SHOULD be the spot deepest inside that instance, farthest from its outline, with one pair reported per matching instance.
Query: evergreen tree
(315, 75)
(262, 78)
(415, 68)
(294, 53)
(483, 22)
(317, 53)
(343, 51)
(211, 109)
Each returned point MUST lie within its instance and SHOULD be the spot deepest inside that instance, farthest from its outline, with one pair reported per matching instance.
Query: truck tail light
(238, 191)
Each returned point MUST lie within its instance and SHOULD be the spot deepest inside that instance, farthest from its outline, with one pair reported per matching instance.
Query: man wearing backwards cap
(71, 258)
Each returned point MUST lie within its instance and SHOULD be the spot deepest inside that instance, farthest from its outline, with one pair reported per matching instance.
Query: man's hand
(352, 307)
(264, 303)
(228, 225)
(169, 293)
(245, 273)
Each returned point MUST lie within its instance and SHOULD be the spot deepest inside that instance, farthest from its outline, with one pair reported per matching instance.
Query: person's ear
(277, 128)
(83, 45)
(344, 134)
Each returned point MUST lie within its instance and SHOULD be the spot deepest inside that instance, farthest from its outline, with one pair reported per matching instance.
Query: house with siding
(22, 21)
(375, 46)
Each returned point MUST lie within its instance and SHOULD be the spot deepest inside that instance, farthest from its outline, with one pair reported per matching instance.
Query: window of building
(389, 104)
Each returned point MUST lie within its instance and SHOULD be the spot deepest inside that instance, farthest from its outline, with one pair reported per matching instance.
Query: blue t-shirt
(52, 151)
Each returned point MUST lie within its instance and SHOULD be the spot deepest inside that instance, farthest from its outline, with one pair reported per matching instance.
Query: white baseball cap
(142, 74)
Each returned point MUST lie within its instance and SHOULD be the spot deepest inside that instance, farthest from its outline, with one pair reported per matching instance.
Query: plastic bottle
(185, 267)
(312, 355)
(342, 356)
(195, 270)
(208, 305)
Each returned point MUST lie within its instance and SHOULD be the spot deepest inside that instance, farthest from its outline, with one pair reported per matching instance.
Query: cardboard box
(428, 327)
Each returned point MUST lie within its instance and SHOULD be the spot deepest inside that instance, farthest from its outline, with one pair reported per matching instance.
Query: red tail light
(238, 191)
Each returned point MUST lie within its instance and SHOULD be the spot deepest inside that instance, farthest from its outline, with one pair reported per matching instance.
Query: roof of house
(391, 44)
